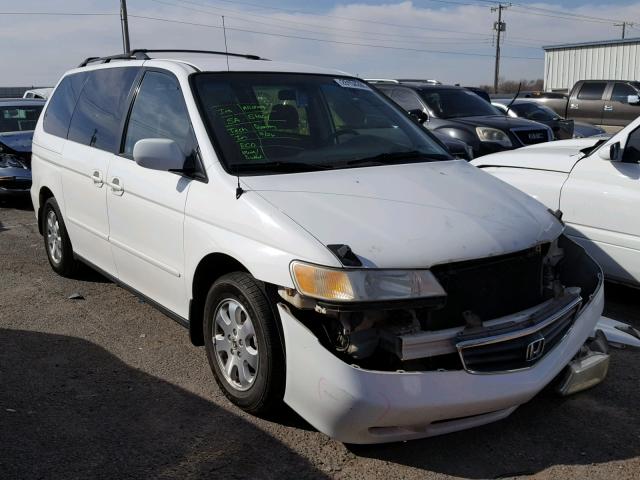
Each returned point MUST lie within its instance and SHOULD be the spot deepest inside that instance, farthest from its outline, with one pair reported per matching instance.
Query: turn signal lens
(363, 285)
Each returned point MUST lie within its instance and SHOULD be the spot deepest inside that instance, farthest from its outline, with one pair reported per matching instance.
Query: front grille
(531, 137)
(488, 288)
(15, 183)
(517, 350)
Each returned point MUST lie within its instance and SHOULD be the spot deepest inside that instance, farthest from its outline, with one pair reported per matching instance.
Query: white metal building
(565, 64)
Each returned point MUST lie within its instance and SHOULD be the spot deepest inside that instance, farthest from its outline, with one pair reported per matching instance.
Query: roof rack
(141, 54)
(381, 80)
(421, 80)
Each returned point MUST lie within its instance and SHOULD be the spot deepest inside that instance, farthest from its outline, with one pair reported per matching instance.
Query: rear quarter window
(58, 114)
(101, 107)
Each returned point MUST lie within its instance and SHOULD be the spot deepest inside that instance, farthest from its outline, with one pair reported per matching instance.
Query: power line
(375, 22)
(377, 35)
(61, 14)
(387, 47)
(324, 16)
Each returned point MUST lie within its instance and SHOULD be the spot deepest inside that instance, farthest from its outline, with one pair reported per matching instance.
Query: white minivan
(325, 248)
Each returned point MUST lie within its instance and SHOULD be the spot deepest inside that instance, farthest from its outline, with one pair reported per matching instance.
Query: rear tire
(242, 343)
(56, 240)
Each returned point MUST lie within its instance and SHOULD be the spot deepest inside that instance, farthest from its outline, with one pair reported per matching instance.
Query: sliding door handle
(97, 179)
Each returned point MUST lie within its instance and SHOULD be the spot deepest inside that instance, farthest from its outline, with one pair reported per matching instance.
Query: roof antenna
(239, 189)
(226, 48)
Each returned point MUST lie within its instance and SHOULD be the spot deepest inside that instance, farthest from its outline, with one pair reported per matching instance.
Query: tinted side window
(58, 113)
(621, 91)
(407, 99)
(159, 111)
(100, 108)
(592, 91)
(632, 148)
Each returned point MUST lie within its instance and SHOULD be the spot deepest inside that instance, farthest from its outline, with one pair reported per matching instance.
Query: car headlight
(363, 285)
(493, 135)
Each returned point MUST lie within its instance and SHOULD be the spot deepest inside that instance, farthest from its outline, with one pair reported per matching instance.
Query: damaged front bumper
(356, 405)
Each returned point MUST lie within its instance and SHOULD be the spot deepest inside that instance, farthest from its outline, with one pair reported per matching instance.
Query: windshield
(455, 103)
(532, 111)
(19, 118)
(265, 123)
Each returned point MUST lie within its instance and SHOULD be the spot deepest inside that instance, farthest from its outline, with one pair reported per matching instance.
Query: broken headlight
(363, 285)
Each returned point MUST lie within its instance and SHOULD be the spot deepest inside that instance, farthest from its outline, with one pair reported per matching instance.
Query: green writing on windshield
(246, 124)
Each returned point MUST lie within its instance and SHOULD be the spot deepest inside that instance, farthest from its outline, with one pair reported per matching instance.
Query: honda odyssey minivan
(323, 247)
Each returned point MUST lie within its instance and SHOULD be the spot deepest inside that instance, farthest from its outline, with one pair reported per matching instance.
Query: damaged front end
(493, 315)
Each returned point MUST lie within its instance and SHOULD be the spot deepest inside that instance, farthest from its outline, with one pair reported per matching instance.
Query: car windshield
(456, 103)
(265, 123)
(532, 111)
(19, 118)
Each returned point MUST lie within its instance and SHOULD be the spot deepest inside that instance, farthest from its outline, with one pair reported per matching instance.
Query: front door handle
(116, 186)
(96, 176)
(608, 108)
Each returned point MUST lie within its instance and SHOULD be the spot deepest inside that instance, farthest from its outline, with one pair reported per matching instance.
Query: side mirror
(419, 115)
(158, 154)
(611, 153)
(633, 99)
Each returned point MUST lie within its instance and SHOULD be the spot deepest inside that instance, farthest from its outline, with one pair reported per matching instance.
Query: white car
(323, 247)
(594, 182)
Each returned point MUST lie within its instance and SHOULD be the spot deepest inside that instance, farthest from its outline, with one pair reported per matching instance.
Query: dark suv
(463, 114)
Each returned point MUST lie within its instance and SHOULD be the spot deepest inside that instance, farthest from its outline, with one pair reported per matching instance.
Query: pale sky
(451, 40)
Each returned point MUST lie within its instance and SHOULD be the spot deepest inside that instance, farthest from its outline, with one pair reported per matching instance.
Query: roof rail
(421, 80)
(381, 80)
(141, 54)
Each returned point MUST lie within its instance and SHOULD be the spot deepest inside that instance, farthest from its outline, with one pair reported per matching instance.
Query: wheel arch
(43, 195)
(211, 267)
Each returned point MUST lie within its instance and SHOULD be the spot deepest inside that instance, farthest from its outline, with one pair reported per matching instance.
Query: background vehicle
(456, 148)
(611, 103)
(594, 182)
(464, 115)
(41, 93)
(18, 118)
(324, 248)
(562, 128)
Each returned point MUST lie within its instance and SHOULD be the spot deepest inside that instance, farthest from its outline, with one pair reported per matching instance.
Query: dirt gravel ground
(107, 387)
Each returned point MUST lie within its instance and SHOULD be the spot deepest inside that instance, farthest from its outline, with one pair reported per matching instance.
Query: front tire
(243, 345)
(56, 240)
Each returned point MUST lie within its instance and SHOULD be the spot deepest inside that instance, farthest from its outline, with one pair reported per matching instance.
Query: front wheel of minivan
(242, 343)
(56, 240)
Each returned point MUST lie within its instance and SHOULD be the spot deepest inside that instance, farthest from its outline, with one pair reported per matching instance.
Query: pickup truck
(612, 104)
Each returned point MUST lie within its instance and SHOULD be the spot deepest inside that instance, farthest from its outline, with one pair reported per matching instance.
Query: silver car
(18, 118)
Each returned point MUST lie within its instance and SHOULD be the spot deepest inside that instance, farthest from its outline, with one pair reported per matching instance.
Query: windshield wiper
(287, 167)
(396, 157)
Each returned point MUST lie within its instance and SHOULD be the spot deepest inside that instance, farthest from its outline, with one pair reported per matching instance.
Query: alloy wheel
(235, 344)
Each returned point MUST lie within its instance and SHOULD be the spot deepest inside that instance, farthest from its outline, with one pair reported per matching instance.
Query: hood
(582, 129)
(413, 215)
(17, 141)
(501, 122)
(559, 156)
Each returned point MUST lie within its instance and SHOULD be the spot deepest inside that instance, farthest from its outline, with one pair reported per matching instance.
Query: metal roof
(597, 43)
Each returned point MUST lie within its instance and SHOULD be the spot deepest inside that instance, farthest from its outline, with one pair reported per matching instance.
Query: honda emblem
(535, 350)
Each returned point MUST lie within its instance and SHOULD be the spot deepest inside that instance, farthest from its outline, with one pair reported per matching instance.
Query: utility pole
(624, 27)
(499, 27)
(125, 26)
